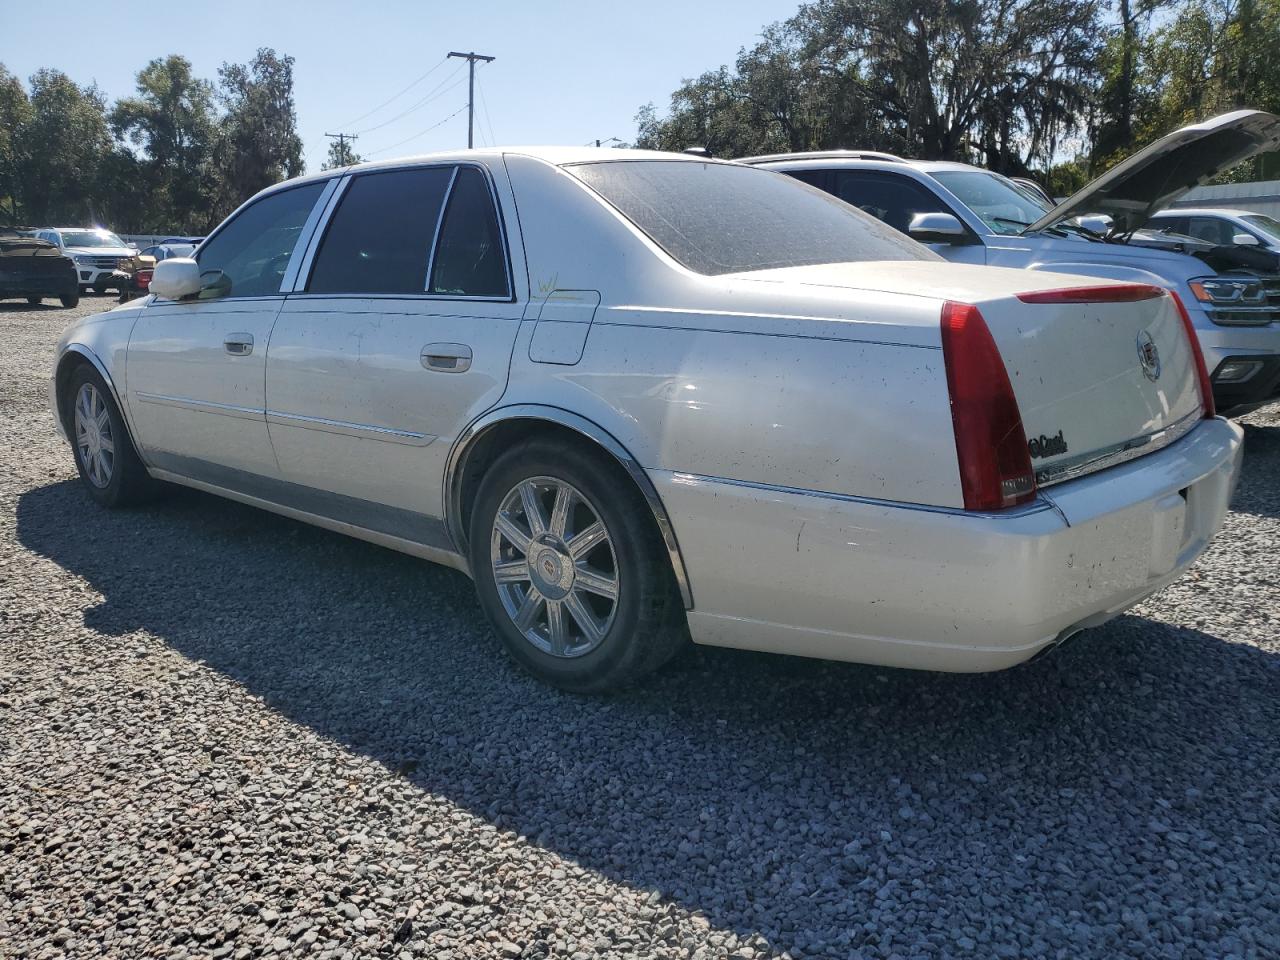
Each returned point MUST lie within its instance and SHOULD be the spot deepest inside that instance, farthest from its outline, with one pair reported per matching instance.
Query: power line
(471, 59)
(435, 94)
(352, 123)
(493, 141)
(420, 133)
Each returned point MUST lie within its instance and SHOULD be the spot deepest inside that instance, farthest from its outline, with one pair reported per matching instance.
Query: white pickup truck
(971, 215)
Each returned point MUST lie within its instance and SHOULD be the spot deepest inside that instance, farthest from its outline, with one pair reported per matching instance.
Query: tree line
(1055, 89)
(177, 156)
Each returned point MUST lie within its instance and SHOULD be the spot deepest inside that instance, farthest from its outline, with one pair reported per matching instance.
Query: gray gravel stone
(224, 733)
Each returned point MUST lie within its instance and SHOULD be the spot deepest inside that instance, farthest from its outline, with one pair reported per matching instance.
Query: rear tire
(587, 600)
(69, 302)
(105, 456)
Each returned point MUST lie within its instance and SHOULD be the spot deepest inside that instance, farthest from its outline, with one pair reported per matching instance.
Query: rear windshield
(718, 218)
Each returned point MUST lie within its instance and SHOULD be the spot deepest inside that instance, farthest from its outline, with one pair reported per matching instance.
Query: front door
(401, 333)
(196, 369)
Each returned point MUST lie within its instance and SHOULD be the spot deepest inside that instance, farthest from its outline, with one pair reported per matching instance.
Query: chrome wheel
(94, 441)
(554, 567)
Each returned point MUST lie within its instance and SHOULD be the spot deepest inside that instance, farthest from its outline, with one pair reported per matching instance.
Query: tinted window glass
(469, 261)
(379, 240)
(887, 197)
(252, 251)
(718, 218)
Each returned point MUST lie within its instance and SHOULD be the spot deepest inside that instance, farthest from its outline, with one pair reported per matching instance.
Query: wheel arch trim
(591, 431)
(80, 350)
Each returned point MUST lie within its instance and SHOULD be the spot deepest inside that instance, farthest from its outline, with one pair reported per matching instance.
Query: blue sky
(565, 72)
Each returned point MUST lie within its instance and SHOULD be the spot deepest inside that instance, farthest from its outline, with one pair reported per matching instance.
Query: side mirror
(176, 278)
(937, 228)
(1244, 240)
(1097, 222)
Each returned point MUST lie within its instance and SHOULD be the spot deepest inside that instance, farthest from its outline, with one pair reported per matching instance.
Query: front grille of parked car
(104, 263)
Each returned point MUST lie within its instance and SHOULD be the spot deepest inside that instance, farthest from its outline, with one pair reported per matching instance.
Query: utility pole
(343, 152)
(471, 59)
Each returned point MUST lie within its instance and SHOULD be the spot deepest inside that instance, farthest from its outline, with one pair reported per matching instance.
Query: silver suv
(971, 215)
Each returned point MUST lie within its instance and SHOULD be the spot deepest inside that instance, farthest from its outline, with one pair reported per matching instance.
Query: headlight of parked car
(1244, 291)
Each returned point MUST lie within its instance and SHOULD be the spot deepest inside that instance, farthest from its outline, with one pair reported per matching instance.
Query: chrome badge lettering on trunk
(1043, 446)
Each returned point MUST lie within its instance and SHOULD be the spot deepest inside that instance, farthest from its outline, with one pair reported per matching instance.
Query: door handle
(238, 344)
(446, 357)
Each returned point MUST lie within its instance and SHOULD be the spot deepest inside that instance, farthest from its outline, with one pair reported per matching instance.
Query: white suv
(971, 215)
(96, 252)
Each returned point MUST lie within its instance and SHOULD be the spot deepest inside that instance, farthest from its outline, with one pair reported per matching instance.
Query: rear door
(196, 369)
(400, 334)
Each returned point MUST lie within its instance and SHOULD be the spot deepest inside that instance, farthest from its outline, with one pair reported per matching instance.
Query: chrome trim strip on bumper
(1118, 453)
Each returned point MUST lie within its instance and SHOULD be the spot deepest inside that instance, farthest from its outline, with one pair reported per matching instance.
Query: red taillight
(995, 463)
(1113, 293)
(1202, 372)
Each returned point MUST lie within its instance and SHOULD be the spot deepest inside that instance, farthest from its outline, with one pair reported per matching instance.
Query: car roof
(855, 159)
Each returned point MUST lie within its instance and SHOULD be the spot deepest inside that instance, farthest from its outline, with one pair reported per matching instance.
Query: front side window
(888, 197)
(1210, 230)
(379, 239)
(720, 218)
(996, 201)
(248, 256)
(469, 260)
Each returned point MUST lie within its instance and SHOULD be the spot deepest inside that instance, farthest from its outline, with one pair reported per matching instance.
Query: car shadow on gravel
(809, 802)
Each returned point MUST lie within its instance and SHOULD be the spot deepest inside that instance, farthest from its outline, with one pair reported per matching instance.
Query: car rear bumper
(50, 286)
(844, 578)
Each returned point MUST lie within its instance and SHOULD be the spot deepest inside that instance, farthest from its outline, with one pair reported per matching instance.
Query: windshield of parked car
(718, 218)
(1264, 224)
(1000, 204)
(91, 238)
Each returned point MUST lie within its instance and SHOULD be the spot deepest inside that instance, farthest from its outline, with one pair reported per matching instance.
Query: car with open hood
(641, 397)
(971, 215)
(33, 269)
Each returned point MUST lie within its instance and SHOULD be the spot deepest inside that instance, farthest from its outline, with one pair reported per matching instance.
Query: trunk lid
(1162, 172)
(1097, 383)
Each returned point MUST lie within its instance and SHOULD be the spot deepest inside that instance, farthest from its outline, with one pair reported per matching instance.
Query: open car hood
(1157, 175)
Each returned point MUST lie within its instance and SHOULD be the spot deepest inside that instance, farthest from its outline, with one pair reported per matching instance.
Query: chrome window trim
(1118, 453)
(364, 431)
(300, 248)
(303, 276)
(435, 236)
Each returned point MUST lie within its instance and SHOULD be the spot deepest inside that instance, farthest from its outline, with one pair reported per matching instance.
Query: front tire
(570, 568)
(70, 301)
(34, 301)
(105, 457)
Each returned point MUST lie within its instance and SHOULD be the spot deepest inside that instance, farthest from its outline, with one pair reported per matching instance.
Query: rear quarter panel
(817, 413)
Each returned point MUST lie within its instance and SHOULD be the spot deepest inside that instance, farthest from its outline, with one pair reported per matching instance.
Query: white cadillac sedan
(642, 398)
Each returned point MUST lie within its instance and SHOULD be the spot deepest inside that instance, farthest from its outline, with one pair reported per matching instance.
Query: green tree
(257, 142)
(63, 145)
(15, 115)
(171, 120)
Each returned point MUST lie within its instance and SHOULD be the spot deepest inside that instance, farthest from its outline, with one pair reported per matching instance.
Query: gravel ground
(225, 734)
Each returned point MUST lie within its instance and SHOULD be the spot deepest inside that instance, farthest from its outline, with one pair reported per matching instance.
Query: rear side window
(718, 218)
(379, 239)
(893, 199)
(248, 257)
(469, 260)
